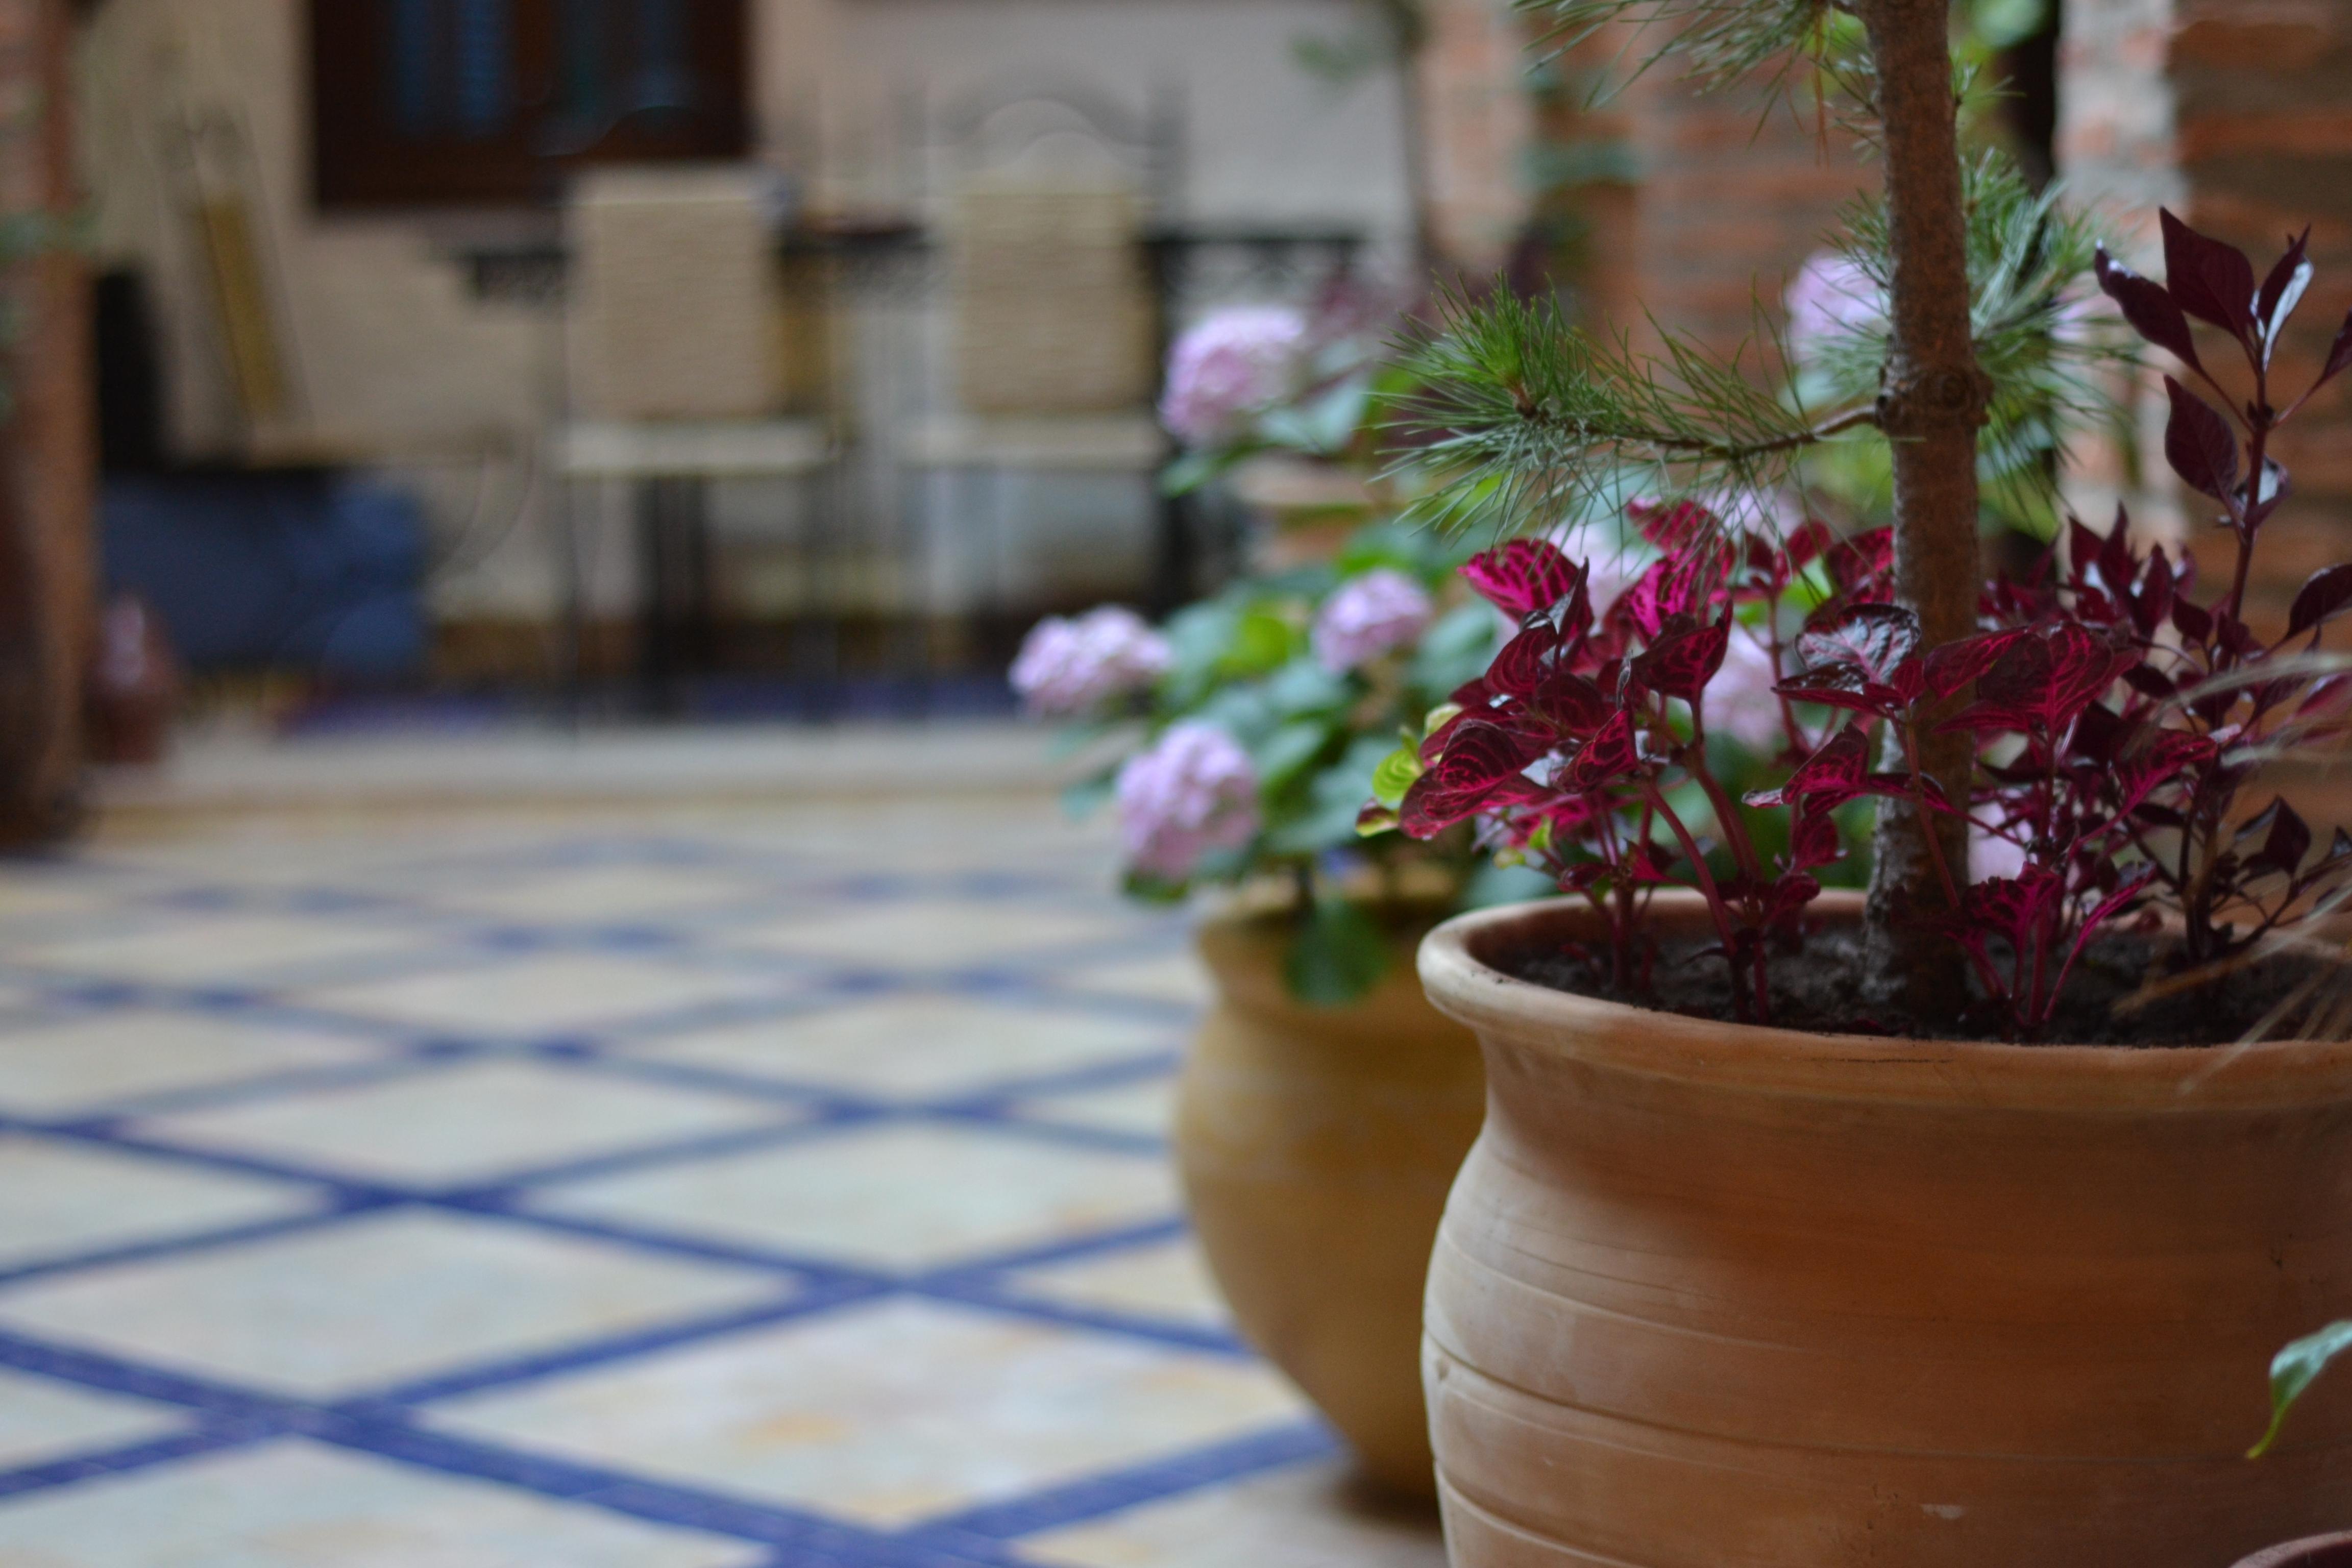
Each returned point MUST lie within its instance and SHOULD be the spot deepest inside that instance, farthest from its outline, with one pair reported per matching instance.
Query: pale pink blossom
(1991, 855)
(1194, 793)
(1830, 297)
(1229, 365)
(1740, 701)
(1369, 616)
(1070, 667)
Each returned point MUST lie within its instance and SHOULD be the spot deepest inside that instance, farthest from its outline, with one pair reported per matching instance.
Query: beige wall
(392, 356)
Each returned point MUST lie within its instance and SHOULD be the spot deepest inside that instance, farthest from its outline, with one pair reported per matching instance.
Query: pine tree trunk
(1932, 400)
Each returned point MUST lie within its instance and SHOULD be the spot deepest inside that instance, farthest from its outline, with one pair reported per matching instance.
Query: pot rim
(2182, 1079)
(2288, 1555)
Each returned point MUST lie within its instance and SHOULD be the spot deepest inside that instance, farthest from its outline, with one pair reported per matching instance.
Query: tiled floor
(691, 1187)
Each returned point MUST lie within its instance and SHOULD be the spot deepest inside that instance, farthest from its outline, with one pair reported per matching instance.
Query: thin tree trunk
(1932, 399)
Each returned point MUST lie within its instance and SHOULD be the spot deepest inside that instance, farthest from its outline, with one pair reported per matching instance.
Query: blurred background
(550, 1010)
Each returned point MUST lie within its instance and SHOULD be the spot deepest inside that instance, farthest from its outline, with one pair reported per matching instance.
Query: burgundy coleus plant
(2117, 711)
(1584, 747)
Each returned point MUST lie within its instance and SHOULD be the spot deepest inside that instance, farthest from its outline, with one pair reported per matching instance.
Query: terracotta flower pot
(1316, 1147)
(1710, 1295)
(2318, 1552)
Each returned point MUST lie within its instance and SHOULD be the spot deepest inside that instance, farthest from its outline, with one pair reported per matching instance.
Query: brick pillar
(2234, 113)
(46, 456)
(1473, 86)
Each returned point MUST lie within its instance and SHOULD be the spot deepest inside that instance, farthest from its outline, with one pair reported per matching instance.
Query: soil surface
(1818, 990)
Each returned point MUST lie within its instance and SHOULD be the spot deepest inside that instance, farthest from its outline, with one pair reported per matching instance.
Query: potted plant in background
(1809, 1229)
(1324, 1106)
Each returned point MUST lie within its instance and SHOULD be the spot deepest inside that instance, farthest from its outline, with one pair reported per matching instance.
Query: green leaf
(1262, 641)
(1303, 686)
(1191, 471)
(2294, 1369)
(1337, 956)
(1454, 651)
(1087, 797)
(1287, 751)
(1395, 775)
(1334, 800)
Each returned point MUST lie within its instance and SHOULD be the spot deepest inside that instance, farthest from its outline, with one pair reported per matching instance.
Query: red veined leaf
(1688, 582)
(1672, 525)
(1572, 702)
(1523, 576)
(2014, 907)
(1524, 662)
(2151, 311)
(1790, 896)
(1954, 664)
(2166, 757)
(2325, 596)
(1859, 565)
(2105, 910)
(1815, 841)
(1878, 638)
(2210, 280)
(1480, 759)
(1842, 685)
(1610, 754)
(1681, 665)
(1829, 778)
(2199, 445)
(2041, 682)
(1808, 541)
(2282, 291)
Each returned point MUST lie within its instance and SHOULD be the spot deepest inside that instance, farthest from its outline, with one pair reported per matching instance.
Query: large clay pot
(1718, 1297)
(1317, 1146)
(2318, 1552)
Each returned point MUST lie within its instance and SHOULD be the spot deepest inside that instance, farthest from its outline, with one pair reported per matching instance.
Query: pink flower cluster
(1369, 616)
(1830, 297)
(1194, 791)
(1229, 365)
(1068, 668)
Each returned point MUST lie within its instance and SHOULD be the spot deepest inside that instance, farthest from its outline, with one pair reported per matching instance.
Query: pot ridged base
(1315, 1148)
(1712, 1297)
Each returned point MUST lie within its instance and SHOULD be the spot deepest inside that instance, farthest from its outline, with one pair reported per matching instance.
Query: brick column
(1477, 121)
(45, 456)
(2234, 114)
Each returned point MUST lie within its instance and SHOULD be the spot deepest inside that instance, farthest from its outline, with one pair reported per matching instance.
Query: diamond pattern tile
(543, 993)
(914, 1045)
(60, 1199)
(900, 1198)
(381, 1300)
(695, 1186)
(298, 1505)
(78, 1064)
(870, 1416)
(468, 1122)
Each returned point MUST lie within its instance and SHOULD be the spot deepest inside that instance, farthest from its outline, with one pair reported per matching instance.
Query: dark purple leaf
(2199, 445)
(2192, 621)
(2152, 606)
(2150, 682)
(2282, 290)
(1829, 778)
(1876, 637)
(1610, 753)
(2210, 280)
(1955, 664)
(1523, 576)
(2288, 842)
(1482, 761)
(2338, 357)
(1682, 665)
(2145, 304)
(1572, 702)
(2325, 596)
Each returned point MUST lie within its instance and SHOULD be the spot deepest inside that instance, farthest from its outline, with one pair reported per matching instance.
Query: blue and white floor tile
(708, 1187)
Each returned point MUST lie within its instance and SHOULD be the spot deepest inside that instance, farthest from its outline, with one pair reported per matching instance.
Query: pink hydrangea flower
(1069, 667)
(1830, 297)
(1369, 616)
(1229, 365)
(1740, 701)
(1194, 793)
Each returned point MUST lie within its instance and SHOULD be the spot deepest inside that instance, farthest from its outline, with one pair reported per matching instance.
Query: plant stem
(1932, 398)
(1715, 907)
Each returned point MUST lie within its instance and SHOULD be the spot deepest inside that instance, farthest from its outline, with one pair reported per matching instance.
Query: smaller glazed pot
(2313, 1552)
(1316, 1146)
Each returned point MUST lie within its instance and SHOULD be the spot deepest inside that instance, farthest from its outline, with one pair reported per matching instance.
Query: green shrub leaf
(1338, 955)
(2294, 1369)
